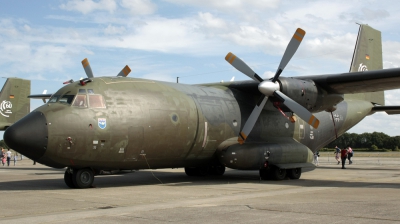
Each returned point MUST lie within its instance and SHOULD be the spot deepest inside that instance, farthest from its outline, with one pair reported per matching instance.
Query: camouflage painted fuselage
(148, 124)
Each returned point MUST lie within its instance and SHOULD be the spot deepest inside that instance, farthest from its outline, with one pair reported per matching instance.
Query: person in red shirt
(343, 154)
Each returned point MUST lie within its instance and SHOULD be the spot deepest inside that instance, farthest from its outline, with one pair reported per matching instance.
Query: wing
(43, 96)
(40, 96)
(391, 110)
(344, 83)
(358, 82)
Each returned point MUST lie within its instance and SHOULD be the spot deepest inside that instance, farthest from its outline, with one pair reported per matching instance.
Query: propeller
(85, 63)
(125, 71)
(88, 69)
(271, 87)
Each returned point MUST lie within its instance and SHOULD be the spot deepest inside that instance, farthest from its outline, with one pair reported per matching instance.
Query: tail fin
(368, 56)
(14, 101)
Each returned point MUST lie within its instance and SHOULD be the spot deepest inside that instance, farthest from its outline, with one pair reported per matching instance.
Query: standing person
(2, 155)
(349, 154)
(337, 152)
(343, 154)
(15, 158)
(8, 157)
(3, 158)
(316, 155)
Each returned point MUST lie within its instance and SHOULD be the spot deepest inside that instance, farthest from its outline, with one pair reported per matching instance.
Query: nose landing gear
(79, 178)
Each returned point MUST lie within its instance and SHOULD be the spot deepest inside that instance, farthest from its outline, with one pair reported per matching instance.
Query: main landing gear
(276, 173)
(79, 178)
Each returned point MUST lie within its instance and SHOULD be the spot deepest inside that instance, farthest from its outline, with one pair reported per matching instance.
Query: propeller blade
(125, 71)
(242, 67)
(302, 112)
(290, 50)
(251, 121)
(87, 68)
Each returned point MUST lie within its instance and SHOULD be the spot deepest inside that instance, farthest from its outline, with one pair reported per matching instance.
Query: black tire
(190, 171)
(68, 179)
(83, 178)
(278, 173)
(294, 173)
(202, 171)
(197, 171)
(217, 170)
(265, 174)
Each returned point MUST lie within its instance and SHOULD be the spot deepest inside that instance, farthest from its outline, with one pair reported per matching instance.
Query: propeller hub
(268, 88)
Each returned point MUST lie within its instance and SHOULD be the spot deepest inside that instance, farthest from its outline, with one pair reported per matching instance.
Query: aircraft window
(66, 98)
(80, 101)
(54, 98)
(82, 91)
(96, 101)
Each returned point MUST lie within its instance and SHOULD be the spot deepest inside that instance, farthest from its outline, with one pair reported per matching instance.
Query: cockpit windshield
(65, 98)
(93, 100)
(82, 100)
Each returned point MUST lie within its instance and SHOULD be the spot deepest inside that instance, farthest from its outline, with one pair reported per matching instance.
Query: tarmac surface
(367, 191)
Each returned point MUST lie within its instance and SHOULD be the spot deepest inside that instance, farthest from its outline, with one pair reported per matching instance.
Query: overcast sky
(45, 40)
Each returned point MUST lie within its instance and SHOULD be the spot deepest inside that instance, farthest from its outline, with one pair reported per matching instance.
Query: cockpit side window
(80, 101)
(96, 101)
(65, 98)
(54, 98)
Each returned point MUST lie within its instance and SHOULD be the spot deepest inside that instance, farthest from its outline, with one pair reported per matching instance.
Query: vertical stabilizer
(14, 101)
(367, 57)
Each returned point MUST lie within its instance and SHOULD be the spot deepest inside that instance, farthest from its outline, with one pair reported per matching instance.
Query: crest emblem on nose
(102, 122)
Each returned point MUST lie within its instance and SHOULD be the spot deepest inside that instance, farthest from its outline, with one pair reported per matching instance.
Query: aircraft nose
(28, 136)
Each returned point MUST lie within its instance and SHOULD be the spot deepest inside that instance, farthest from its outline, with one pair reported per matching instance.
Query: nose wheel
(79, 178)
(68, 178)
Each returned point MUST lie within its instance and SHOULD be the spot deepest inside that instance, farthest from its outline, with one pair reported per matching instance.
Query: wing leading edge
(358, 82)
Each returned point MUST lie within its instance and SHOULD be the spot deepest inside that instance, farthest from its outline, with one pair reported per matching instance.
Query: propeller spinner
(271, 87)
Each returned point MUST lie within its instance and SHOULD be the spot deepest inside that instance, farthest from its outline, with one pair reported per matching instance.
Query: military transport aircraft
(14, 102)
(274, 126)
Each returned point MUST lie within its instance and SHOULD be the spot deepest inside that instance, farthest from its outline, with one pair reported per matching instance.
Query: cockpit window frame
(69, 98)
(100, 99)
(80, 101)
(54, 98)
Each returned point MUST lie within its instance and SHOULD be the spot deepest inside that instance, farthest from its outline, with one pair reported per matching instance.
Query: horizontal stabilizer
(388, 109)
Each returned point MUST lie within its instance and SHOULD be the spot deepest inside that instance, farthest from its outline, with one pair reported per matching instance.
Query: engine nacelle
(309, 95)
(252, 156)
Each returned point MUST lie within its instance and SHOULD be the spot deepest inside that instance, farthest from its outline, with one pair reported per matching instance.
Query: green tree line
(372, 141)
